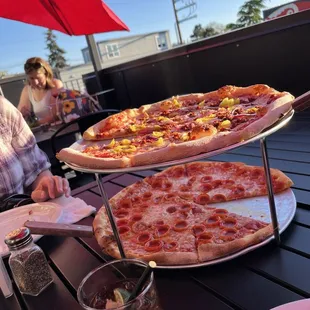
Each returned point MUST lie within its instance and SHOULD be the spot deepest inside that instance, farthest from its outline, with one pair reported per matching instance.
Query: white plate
(15, 218)
(303, 304)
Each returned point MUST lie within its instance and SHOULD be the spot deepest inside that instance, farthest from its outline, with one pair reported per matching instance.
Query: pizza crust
(211, 251)
(70, 155)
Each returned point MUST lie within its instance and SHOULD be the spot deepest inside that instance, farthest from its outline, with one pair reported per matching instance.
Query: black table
(262, 279)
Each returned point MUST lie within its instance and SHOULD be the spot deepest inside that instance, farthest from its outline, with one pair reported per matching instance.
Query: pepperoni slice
(123, 230)
(153, 245)
(192, 168)
(139, 227)
(255, 173)
(180, 225)
(227, 165)
(228, 183)
(202, 199)
(170, 246)
(220, 211)
(143, 207)
(136, 217)
(125, 204)
(177, 172)
(216, 183)
(198, 229)
(205, 237)
(122, 222)
(238, 191)
(206, 187)
(218, 198)
(191, 181)
(185, 207)
(171, 209)
(157, 183)
(185, 196)
(147, 195)
(158, 199)
(183, 215)
(213, 221)
(184, 188)
(228, 234)
(206, 179)
(162, 230)
(121, 213)
(166, 185)
(143, 238)
(229, 222)
(159, 222)
(169, 196)
(254, 225)
(197, 210)
(136, 200)
(242, 172)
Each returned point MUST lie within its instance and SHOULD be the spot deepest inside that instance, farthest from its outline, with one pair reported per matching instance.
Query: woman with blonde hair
(39, 94)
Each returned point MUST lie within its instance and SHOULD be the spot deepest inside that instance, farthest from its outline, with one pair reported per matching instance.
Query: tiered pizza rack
(272, 206)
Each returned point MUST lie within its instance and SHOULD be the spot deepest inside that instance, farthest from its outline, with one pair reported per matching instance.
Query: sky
(20, 41)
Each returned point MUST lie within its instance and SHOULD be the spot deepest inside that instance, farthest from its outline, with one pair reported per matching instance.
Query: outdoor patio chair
(68, 133)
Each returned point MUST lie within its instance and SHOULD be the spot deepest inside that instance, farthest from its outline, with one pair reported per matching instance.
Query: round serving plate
(80, 144)
(256, 208)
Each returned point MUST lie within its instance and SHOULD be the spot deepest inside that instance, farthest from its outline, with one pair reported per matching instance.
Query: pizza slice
(212, 182)
(177, 232)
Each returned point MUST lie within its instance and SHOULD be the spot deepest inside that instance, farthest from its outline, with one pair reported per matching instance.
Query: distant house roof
(127, 37)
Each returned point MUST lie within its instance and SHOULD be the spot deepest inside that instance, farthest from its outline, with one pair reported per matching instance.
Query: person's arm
(24, 105)
(37, 176)
(58, 86)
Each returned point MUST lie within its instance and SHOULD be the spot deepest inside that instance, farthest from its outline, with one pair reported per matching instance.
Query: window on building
(161, 41)
(112, 50)
(86, 56)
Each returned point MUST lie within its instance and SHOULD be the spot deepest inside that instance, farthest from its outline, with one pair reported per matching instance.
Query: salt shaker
(5, 281)
(28, 263)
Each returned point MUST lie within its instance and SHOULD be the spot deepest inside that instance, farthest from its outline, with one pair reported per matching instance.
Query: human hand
(50, 187)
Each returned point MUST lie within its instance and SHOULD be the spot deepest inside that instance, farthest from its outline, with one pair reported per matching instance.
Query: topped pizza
(179, 127)
(177, 216)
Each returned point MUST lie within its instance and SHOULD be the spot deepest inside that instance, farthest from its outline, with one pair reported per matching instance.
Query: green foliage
(249, 14)
(209, 30)
(56, 54)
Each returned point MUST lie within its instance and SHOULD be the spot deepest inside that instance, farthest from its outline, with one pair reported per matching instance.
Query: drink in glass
(109, 287)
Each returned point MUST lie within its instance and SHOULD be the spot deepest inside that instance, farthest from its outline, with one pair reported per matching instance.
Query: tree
(250, 12)
(198, 32)
(56, 54)
(209, 30)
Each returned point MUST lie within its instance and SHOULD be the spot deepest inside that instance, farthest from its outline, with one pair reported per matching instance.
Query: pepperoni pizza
(170, 218)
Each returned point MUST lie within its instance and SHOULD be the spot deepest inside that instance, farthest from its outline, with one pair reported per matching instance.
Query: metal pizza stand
(299, 104)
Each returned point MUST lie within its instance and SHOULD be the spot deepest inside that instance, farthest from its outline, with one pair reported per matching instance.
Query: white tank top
(40, 108)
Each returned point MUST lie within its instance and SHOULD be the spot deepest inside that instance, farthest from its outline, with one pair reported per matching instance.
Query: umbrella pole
(95, 58)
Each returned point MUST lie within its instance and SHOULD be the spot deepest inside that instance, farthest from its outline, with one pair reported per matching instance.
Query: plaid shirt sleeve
(32, 158)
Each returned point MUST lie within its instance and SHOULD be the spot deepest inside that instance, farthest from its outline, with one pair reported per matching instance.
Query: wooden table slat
(77, 255)
(283, 265)
(56, 296)
(246, 288)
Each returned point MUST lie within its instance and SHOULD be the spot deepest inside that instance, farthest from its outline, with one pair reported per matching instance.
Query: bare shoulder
(58, 84)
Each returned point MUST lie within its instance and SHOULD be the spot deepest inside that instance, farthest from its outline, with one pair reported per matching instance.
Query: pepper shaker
(27, 262)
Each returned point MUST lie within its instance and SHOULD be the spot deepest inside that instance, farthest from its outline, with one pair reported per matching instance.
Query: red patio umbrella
(73, 17)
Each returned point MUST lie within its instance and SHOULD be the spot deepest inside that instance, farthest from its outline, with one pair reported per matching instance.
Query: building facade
(117, 51)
